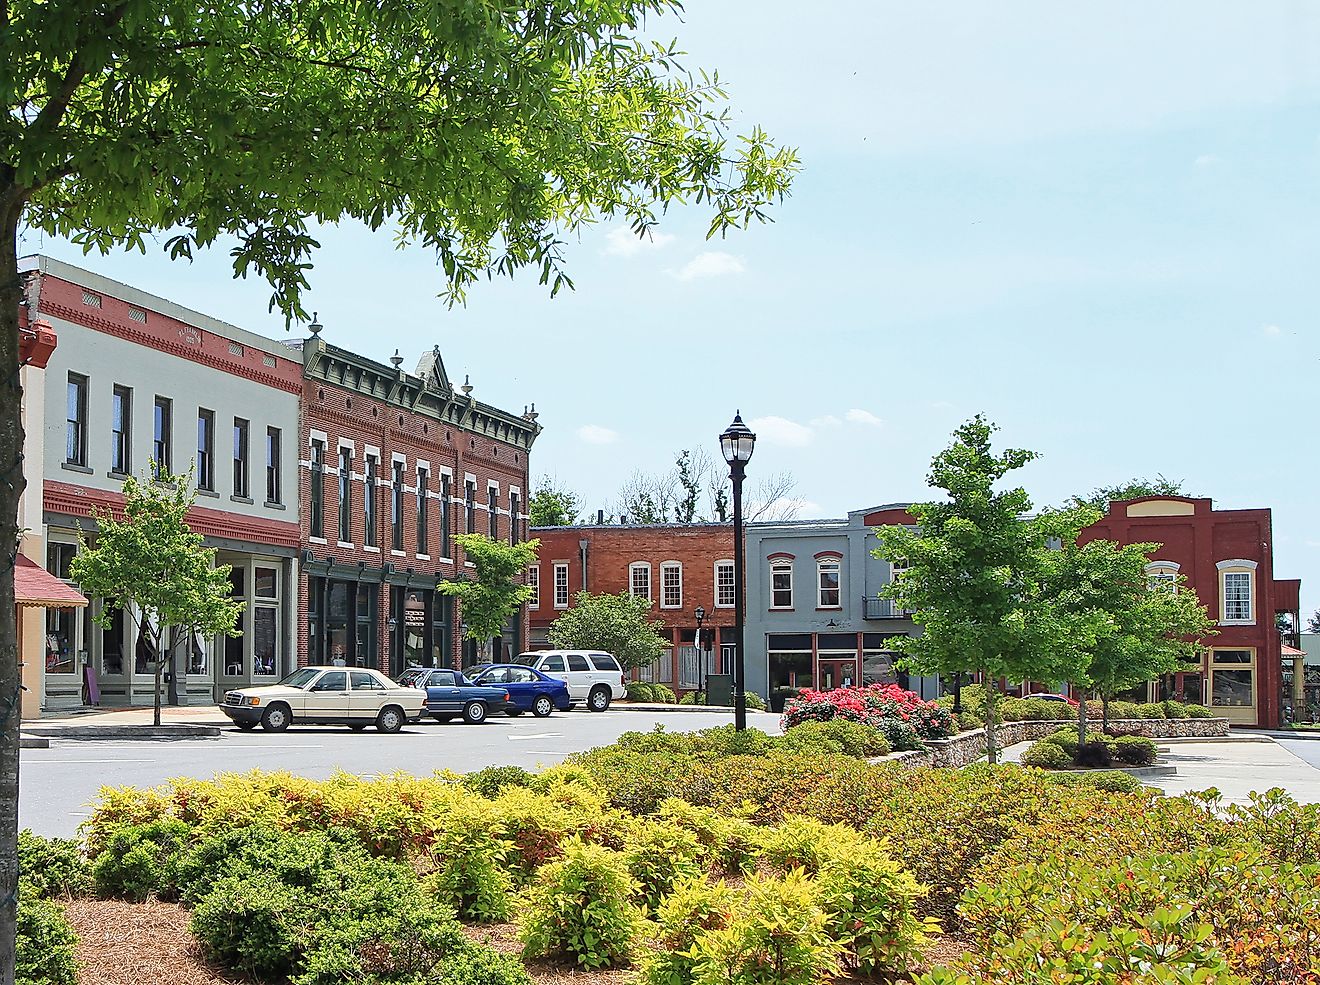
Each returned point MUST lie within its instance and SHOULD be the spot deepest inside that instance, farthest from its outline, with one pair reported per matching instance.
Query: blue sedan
(529, 690)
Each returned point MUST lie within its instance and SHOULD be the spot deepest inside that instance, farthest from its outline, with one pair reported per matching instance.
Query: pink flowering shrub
(901, 716)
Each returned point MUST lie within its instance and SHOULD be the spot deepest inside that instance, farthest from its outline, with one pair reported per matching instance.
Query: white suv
(591, 675)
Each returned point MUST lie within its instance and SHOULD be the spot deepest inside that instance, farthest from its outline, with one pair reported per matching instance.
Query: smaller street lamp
(737, 443)
(701, 652)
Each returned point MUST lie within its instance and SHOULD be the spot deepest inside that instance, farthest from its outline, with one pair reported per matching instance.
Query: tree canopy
(1100, 497)
(497, 591)
(618, 624)
(553, 505)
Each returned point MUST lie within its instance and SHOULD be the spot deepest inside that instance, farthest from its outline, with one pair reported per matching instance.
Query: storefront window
(112, 644)
(265, 640)
(60, 641)
(144, 649)
(198, 661)
(1232, 689)
(235, 645)
(267, 583)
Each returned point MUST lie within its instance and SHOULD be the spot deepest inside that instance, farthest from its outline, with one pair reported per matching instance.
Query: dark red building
(1227, 557)
(393, 466)
(679, 567)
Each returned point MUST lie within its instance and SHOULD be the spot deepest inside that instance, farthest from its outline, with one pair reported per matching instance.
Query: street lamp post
(701, 653)
(737, 443)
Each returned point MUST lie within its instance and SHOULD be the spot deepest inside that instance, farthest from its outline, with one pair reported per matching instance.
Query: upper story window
(561, 584)
(316, 511)
(827, 583)
(444, 515)
(671, 585)
(514, 521)
(781, 584)
(162, 451)
(725, 596)
(1162, 574)
(534, 583)
(470, 506)
(493, 511)
(423, 482)
(273, 465)
(205, 449)
(240, 458)
(345, 495)
(897, 572)
(1237, 591)
(121, 430)
(396, 506)
(639, 579)
(75, 431)
(369, 491)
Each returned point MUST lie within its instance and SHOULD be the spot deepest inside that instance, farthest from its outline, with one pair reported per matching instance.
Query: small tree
(498, 591)
(154, 568)
(619, 624)
(974, 574)
(552, 505)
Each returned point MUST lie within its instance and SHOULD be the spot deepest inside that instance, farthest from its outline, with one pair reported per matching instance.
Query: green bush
(490, 781)
(1283, 828)
(1198, 711)
(728, 840)
(664, 694)
(297, 859)
(141, 860)
(471, 863)
(45, 943)
(693, 908)
(753, 701)
(581, 907)
(1095, 753)
(1152, 709)
(1174, 709)
(693, 698)
(1047, 756)
(726, 740)
(835, 736)
(1112, 781)
(1135, 750)
(255, 924)
(639, 691)
(473, 965)
(53, 868)
(658, 853)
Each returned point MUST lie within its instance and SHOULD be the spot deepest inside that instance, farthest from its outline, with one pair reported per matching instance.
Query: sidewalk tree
(974, 573)
(618, 624)
(490, 133)
(152, 566)
(498, 589)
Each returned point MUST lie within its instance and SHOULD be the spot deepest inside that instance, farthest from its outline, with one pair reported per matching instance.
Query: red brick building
(393, 466)
(1227, 557)
(677, 566)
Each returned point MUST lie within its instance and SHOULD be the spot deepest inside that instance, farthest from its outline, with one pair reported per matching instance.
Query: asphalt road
(57, 785)
(1307, 750)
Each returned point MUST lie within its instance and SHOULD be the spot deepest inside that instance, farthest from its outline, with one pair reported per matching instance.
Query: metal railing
(874, 608)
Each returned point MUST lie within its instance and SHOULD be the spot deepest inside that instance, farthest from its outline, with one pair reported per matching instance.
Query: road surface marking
(81, 762)
(536, 735)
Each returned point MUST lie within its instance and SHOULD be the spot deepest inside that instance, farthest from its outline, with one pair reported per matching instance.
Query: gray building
(137, 379)
(814, 615)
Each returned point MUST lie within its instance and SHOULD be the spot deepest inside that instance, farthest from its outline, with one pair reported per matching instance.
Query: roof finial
(315, 327)
(396, 359)
(467, 386)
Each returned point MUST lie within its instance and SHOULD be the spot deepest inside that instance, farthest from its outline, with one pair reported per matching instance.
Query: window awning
(1291, 651)
(35, 586)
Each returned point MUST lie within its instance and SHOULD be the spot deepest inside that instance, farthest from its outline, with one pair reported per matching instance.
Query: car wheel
(513, 712)
(358, 726)
(390, 719)
(542, 707)
(246, 726)
(474, 713)
(443, 718)
(598, 699)
(276, 718)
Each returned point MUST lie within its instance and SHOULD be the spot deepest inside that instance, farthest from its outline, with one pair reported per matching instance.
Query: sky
(1096, 223)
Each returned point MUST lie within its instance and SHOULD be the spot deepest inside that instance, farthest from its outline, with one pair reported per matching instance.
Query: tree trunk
(991, 718)
(1081, 720)
(11, 489)
(160, 673)
(1104, 713)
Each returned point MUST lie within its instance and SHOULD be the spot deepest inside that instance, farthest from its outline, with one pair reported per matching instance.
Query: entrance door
(837, 673)
(1233, 685)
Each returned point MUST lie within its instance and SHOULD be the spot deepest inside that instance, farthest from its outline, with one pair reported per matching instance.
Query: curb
(120, 732)
(1234, 737)
(1305, 736)
(33, 742)
(619, 706)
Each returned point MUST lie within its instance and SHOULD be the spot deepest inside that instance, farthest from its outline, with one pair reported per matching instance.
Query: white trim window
(1237, 592)
(898, 570)
(781, 584)
(639, 579)
(725, 595)
(671, 585)
(534, 583)
(1162, 574)
(827, 583)
(561, 584)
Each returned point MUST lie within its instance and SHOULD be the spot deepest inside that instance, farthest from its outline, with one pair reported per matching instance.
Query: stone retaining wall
(968, 747)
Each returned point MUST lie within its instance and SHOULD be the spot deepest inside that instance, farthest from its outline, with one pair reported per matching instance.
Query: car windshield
(526, 659)
(300, 678)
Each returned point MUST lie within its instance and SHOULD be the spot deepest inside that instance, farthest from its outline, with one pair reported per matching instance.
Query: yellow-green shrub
(729, 841)
(694, 907)
(658, 853)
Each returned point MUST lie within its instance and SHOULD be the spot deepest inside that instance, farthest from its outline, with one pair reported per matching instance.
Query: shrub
(1035, 710)
(693, 698)
(45, 945)
(1094, 753)
(581, 907)
(901, 716)
(1112, 781)
(1135, 750)
(1286, 830)
(254, 924)
(1174, 709)
(1047, 756)
(141, 860)
(753, 701)
(836, 736)
(52, 867)
(1198, 711)
(473, 965)
(469, 859)
(728, 840)
(1152, 709)
(297, 859)
(658, 853)
(694, 907)
(664, 694)
(491, 780)
(726, 740)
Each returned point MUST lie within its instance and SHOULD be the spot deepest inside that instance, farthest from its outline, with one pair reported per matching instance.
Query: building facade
(392, 467)
(137, 379)
(1227, 558)
(678, 567)
(814, 613)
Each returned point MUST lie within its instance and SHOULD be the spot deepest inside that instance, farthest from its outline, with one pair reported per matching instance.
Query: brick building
(677, 566)
(1227, 557)
(392, 467)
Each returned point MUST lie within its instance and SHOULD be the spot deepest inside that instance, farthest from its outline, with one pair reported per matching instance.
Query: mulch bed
(143, 943)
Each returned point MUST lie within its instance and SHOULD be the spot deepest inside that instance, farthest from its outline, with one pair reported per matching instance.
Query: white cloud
(714, 263)
(1207, 160)
(623, 242)
(782, 431)
(1271, 331)
(858, 416)
(594, 434)
(828, 421)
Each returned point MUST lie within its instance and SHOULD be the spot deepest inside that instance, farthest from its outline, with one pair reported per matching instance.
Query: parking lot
(58, 783)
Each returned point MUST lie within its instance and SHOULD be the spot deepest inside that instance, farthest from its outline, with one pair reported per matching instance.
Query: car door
(553, 665)
(327, 699)
(442, 694)
(523, 685)
(499, 677)
(580, 672)
(365, 695)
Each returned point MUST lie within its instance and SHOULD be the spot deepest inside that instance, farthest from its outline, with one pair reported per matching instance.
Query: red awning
(34, 585)
(1292, 651)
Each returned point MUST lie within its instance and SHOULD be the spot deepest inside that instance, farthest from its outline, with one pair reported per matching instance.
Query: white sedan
(356, 697)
